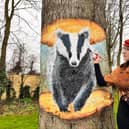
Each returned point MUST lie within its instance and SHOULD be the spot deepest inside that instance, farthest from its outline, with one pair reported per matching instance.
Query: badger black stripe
(66, 41)
(79, 45)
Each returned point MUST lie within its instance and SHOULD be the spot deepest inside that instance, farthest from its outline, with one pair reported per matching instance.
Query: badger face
(73, 46)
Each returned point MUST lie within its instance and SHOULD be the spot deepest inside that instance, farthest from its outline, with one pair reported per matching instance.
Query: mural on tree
(67, 68)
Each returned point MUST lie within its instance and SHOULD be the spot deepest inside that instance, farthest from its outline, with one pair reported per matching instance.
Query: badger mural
(73, 75)
(67, 68)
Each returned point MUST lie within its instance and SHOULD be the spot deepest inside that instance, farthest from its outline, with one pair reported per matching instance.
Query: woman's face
(125, 52)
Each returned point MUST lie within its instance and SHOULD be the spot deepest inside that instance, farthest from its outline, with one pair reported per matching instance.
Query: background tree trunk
(8, 18)
(84, 9)
(121, 24)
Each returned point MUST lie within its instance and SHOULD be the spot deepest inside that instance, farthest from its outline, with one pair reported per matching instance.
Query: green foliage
(6, 86)
(3, 82)
(116, 102)
(10, 92)
(24, 106)
(26, 121)
(26, 100)
(18, 115)
(36, 93)
(24, 92)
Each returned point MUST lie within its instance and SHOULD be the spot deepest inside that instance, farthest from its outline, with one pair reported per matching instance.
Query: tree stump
(97, 113)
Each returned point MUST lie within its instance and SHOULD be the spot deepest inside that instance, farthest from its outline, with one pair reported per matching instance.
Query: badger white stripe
(74, 44)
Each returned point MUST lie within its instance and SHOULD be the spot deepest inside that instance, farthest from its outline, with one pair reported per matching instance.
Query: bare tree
(9, 27)
(22, 61)
(11, 10)
(18, 59)
(22, 64)
(112, 29)
(117, 18)
(32, 59)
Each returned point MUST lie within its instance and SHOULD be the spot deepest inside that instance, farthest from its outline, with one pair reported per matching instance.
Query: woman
(119, 78)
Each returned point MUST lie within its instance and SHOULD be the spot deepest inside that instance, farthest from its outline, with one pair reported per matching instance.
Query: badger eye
(78, 56)
(84, 34)
(70, 54)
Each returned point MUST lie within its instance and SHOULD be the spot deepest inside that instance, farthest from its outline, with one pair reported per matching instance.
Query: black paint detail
(85, 34)
(70, 54)
(66, 41)
(80, 43)
(69, 80)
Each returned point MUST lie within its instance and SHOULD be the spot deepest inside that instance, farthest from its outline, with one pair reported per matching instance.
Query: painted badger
(73, 75)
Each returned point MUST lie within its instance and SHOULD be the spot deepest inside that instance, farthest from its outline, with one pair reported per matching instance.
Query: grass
(25, 121)
(116, 102)
(23, 114)
(19, 115)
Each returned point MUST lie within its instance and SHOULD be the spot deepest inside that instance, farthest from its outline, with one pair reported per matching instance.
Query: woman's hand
(96, 58)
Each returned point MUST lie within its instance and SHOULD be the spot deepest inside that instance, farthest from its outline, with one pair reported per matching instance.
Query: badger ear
(85, 33)
(59, 33)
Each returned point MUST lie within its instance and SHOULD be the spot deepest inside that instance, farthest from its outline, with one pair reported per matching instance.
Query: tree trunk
(8, 19)
(95, 114)
(84, 9)
(100, 120)
(121, 31)
(4, 46)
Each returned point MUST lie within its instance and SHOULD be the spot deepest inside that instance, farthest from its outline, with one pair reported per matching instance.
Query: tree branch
(17, 39)
(12, 11)
(115, 38)
(33, 3)
(17, 4)
(27, 23)
(2, 27)
(23, 8)
(6, 9)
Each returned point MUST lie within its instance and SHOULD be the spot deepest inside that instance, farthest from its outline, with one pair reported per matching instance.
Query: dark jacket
(99, 76)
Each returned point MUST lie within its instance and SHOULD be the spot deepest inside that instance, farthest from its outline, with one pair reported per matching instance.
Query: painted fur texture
(73, 75)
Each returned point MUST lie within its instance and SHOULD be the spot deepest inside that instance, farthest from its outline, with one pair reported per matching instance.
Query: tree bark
(8, 19)
(95, 114)
(121, 31)
(100, 120)
(4, 46)
(84, 9)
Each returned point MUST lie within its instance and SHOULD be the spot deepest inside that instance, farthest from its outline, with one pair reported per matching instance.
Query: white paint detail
(73, 40)
(59, 45)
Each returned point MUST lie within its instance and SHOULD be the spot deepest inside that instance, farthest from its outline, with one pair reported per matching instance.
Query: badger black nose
(74, 63)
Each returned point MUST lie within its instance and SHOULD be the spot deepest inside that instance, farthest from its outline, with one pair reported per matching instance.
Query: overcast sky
(30, 36)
